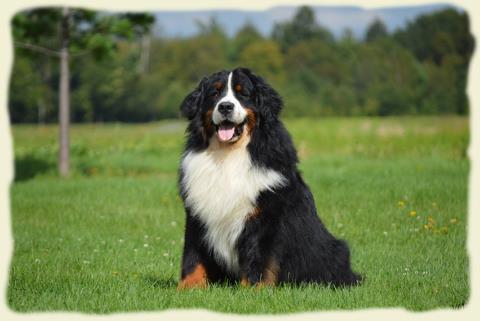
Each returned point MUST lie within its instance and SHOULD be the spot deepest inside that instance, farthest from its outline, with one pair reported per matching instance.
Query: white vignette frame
(468, 312)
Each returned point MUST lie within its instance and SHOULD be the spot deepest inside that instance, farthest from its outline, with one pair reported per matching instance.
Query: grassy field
(109, 238)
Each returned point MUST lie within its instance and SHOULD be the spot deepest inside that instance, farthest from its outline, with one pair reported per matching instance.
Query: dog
(250, 217)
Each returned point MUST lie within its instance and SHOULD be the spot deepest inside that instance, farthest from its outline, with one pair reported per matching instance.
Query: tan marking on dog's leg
(196, 279)
(270, 275)
(244, 282)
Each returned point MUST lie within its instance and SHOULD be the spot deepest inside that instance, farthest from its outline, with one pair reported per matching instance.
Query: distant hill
(335, 18)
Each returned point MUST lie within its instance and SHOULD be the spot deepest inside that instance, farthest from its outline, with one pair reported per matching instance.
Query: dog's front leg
(194, 271)
(255, 264)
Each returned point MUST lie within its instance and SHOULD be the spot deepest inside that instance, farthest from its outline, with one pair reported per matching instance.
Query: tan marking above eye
(238, 88)
(218, 85)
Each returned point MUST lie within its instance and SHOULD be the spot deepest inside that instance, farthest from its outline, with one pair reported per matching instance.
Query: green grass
(109, 238)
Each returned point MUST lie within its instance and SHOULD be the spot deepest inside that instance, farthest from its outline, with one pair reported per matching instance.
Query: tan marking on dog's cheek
(251, 120)
(196, 279)
(207, 122)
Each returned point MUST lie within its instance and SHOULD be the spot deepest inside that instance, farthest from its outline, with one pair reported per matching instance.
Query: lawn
(109, 238)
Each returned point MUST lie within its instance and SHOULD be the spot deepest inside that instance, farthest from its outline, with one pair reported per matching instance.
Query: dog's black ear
(267, 99)
(191, 103)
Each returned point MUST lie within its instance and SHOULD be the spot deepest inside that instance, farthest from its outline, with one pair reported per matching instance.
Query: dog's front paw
(196, 279)
(256, 282)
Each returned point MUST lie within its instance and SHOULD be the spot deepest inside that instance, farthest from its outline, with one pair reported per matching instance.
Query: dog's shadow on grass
(28, 166)
(165, 283)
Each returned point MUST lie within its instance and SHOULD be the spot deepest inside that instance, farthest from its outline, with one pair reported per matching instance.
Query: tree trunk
(144, 54)
(64, 97)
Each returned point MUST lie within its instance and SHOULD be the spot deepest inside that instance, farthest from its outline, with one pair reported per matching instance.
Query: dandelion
(453, 221)
(401, 204)
(413, 213)
(145, 245)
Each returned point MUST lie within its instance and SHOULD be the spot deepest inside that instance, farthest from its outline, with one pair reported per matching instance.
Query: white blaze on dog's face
(228, 114)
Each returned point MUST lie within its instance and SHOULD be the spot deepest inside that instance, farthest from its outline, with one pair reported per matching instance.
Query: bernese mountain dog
(250, 217)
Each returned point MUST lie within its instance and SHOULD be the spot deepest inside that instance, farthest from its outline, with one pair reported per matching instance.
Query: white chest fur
(221, 189)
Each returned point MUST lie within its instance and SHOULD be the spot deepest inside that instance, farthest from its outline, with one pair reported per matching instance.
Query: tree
(434, 36)
(376, 30)
(264, 58)
(245, 36)
(442, 38)
(65, 33)
(302, 27)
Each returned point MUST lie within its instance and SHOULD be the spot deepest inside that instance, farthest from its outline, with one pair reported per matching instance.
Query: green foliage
(436, 36)
(421, 69)
(264, 57)
(377, 30)
(302, 27)
(29, 93)
(247, 35)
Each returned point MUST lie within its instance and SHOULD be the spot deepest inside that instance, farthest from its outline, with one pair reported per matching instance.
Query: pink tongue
(226, 133)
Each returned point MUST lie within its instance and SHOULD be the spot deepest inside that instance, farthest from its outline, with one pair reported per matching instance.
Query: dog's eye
(244, 93)
(214, 93)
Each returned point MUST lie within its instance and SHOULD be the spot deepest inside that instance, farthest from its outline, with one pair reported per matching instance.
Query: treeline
(420, 69)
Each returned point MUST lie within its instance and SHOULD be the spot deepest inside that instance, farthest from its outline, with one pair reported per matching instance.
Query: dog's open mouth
(229, 132)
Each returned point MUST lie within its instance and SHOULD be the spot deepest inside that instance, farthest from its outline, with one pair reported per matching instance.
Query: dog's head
(228, 105)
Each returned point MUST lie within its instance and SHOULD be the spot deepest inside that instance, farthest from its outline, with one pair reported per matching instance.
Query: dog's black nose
(225, 108)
